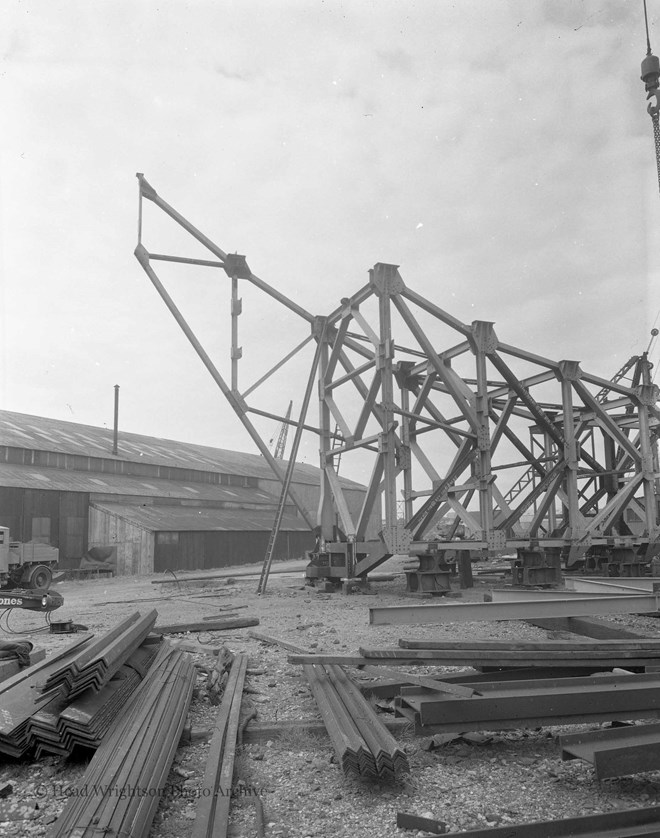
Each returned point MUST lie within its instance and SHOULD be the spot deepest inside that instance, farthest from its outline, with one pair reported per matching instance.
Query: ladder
(523, 481)
(337, 442)
(288, 476)
(279, 514)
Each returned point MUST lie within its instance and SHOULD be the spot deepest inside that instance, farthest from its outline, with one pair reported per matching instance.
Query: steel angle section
(606, 697)
(627, 585)
(528, 609)
(627, 824)
(615, 752)
(351, 749)
(390, 759)
(528, 595)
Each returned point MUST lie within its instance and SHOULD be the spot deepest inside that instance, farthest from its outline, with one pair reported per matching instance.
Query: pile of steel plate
(95, 665)
(130, 769)
(363, 745)
(85, 720)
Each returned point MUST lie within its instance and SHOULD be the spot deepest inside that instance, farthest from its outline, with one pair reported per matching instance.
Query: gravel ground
(509, 777)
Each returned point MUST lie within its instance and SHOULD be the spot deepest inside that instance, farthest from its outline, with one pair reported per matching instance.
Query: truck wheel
(39, 578)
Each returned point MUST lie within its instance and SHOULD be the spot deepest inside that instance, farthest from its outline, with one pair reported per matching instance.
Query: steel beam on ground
(526, 610)
(627, 585)
(526, 594)
(607, 659)
(628, 824)
(524, 703)
(586, 627)
(648, 644)
(351, 660)
(617, 751)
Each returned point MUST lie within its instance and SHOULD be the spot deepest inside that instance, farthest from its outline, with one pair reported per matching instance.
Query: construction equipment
(280, 445)
(31, 600)
(651, 78)
(28, 566)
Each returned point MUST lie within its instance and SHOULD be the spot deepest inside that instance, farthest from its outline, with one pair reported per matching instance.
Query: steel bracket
(496, 540)
(236, 265)
(569, 371)
(483, 338)
(386, 279)
(397, 539)
(647, 394)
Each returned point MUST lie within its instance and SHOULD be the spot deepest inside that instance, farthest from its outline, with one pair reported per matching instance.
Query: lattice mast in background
(651, 79)
(280, 445)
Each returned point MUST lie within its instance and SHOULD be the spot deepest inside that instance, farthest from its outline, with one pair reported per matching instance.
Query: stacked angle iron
(131, 767)
(85, 720)
(20, 698)
(363, 745)
(95, 665)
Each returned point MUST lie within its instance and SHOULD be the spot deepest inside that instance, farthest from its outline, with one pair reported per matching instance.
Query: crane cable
(651, 78)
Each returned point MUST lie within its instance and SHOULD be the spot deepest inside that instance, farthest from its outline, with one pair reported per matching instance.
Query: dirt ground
(507, 777)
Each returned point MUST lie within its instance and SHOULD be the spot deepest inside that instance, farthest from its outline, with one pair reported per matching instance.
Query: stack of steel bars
(363, 745)
(121, 788)
(95, 665)
(212, 815)
(20, 699)
(86, 720)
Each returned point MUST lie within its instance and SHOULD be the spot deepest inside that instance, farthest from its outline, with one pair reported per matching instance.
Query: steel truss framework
(551, 457)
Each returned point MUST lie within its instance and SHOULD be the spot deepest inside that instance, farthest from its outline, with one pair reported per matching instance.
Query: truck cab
(27, 565)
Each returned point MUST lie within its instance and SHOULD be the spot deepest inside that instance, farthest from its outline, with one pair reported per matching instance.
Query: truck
(26, 565)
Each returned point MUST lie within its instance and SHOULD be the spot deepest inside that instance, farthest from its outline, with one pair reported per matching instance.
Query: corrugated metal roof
(180, 519)
(21, 430)
(59, 480)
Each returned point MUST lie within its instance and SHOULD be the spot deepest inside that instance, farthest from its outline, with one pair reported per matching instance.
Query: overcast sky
(499, 152)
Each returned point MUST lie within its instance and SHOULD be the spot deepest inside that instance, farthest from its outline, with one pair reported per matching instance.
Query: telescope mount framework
(516, 453)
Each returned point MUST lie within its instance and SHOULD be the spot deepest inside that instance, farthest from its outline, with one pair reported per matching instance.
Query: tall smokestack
(116, 426)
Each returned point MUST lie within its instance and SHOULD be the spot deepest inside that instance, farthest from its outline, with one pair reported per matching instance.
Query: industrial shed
(160, 504)
(168, 537)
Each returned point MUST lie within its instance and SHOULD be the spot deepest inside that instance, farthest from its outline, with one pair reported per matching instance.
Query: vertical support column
(326, 510)
(236, 350)
(645, 368)
(405, 459)
(236, 268)
(548, 452)
(569, 371)
(647, 396)
(484, 342)
(115, 435)
(386, 281)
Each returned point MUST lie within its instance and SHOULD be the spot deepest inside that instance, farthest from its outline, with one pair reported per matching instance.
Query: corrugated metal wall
(134, 545)
(205, 550)
(55, 518)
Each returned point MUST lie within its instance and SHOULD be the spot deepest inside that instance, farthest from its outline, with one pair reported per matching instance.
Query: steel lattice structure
(486, 446)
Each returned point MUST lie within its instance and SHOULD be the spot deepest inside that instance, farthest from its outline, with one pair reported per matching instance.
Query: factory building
(152, 506)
